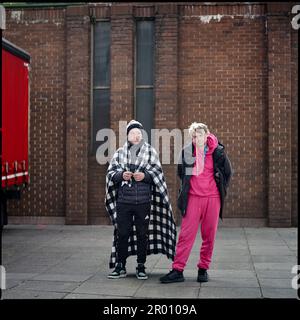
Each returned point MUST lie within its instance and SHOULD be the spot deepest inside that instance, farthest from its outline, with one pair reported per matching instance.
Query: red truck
(14, 128)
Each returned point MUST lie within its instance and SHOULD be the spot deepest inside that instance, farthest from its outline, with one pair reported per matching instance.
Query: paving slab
(63, 277)
(270, 250)
(231, 283)
(276, 293)
(232, 265)
(19, 268)
(276, 283)
(20, 276)
(275, 258)
(92, 296)
(173, 290)
(238, 274)
(229, 293)
(12, 283)
(274, 274)
(73, 269)
(273, 266)
(17, 293)
(45, 285)
(115, 287)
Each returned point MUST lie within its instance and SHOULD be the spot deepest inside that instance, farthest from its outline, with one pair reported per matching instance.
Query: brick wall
(279, 115)
(44, 39)
(77, 113)
(222, 76)
(166, 90)
(294, 133)
(233, 67)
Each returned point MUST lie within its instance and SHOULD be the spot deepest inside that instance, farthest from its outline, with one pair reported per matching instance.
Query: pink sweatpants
(204, 211)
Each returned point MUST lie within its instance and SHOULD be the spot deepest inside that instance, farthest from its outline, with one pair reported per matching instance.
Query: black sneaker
(140, 272)
(173, 276)
(119, 272)
(202, 275)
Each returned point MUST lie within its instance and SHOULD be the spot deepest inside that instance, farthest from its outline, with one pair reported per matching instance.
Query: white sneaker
(119, 272)
(140, 272)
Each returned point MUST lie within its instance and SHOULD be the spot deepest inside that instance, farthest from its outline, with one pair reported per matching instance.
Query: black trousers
(125, 214)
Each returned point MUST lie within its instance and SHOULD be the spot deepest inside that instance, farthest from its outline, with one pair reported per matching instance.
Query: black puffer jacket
(222, 174)
(140, 191)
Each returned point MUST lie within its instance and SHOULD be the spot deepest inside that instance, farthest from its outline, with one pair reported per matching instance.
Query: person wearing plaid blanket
(205, 171)
(138, 204)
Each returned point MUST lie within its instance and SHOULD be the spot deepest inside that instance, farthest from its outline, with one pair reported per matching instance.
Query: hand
(139, 176)
(127, 175)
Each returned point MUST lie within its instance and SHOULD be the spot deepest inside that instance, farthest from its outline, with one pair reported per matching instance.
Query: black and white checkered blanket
(162, 228)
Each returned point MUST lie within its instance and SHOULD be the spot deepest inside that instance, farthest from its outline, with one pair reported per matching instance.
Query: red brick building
(231, 66)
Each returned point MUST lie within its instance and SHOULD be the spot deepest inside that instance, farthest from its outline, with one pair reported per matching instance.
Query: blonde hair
(197, 125)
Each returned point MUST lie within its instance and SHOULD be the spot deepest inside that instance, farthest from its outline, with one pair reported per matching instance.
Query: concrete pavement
(71, 262)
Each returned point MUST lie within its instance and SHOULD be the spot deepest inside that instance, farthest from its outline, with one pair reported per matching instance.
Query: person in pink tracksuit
(205, 172)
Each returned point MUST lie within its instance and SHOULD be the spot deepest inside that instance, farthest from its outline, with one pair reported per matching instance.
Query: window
(101, 80)
(144, 74)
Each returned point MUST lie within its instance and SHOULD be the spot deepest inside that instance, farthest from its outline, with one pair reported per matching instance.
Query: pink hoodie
(204, 184)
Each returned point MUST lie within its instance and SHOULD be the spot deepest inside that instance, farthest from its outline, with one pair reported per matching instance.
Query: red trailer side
(15, 121)
(15, 101)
